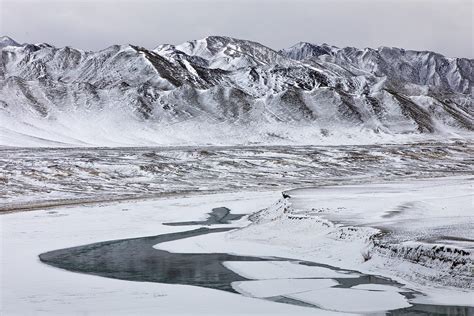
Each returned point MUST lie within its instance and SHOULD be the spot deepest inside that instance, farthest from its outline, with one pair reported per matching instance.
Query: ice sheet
(281, 287)
(353, 300)
(283, 270)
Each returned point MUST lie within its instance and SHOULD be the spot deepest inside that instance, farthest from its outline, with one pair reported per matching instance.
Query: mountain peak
(304, 50)
(7, 41)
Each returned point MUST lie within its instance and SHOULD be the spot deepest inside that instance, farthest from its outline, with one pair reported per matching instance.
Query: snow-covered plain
(55, 176)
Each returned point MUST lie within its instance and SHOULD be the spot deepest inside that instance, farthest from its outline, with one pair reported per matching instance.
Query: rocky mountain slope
(221, 90)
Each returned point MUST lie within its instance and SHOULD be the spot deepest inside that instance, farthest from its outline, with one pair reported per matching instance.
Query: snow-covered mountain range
(221, 90)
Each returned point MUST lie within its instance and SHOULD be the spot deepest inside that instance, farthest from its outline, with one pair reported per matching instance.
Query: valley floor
(32, 178)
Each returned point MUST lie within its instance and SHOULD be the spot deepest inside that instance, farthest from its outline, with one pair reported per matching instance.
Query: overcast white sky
(444, 26)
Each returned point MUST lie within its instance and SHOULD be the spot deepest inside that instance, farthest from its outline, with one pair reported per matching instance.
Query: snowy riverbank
(356, 227)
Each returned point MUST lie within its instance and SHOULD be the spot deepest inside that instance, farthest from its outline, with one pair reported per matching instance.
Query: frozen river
(136, 260)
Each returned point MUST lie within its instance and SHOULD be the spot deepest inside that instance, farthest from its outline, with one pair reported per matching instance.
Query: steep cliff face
(221, 90)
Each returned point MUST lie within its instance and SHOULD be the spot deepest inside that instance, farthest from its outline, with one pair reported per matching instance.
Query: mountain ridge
(221, 90)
